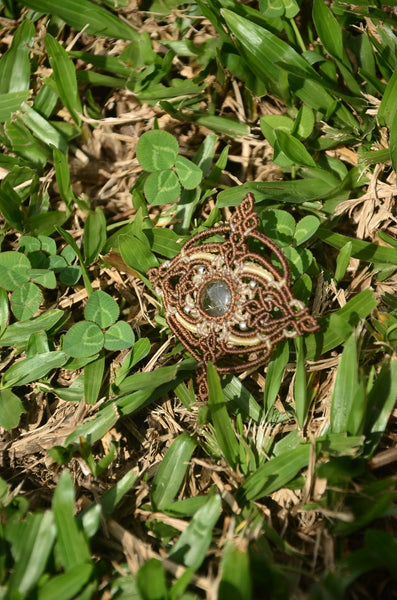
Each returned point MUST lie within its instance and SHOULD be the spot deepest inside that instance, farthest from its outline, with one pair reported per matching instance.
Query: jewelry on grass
(226, 302)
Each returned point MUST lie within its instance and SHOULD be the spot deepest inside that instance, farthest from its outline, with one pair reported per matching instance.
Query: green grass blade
(65, 77)
(19, 333)
(70, 240)
(274, 374)
(236, 577)
(393, 143)
(275, 473)
(265, 52)
(345, 387)
(294, 149)
(41, 128)
(46, 99)
(62, 174)
(136, 253)
(71, 543)
(300, 385)
(337, 327)
(10, 206)
(94, 234)
(38, 538)
(366, 251)
(381, 400)
(151, 580)
(191, 548)
(223, 428)
(33, 368)
(122, 406)
(4, 310)
(93, 375)
(342, 261)
(67, 585)
(113, 496)
(358, 411)
(171, 471)
(223, 125)
(15, 63)
(261, 49)
(189, 198)
(387, 108)
(91, 516)
(292, 192)
(239, 399)
(96, 428)
(79, 13)
(140, 349)
(328, 30)
(24, 144)
(141, 381)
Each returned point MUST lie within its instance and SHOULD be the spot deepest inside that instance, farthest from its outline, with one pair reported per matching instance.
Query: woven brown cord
(227, 303)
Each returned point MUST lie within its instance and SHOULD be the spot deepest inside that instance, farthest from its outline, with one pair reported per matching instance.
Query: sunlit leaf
(119, 336)
(171, 471)
(345, 387)
(71, 543)
(25, 300)
(33, 368)
(275, 473)
(93, 374)
(15, 62)
(162, 187)
(157, 150)
(305, 229)
(14, 270)
(151, 579)
(64, 76)
(19, 333)
(223, 427)
(102, 309)
(11, 409)
(94, 234)
(37, 537)
(80, 13)
(83, 339)
(236, 576)
(188, 172)
(192, 545)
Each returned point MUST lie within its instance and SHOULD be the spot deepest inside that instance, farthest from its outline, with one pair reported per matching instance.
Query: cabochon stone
(216, 298)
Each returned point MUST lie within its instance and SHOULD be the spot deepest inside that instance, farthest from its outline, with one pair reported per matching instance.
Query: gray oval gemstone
(216, 298)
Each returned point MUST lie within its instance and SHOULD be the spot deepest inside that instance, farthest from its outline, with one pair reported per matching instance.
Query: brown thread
(262, 308)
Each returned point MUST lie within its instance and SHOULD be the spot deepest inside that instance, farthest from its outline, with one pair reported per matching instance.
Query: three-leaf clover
(157, 152)
(100, 329)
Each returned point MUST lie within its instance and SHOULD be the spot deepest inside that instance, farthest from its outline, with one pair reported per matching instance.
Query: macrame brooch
(226, 302)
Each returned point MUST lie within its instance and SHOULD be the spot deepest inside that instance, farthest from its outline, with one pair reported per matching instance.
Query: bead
(186, 309)
(243, 325)
(216, 298)
(252, 283)
(201, 269)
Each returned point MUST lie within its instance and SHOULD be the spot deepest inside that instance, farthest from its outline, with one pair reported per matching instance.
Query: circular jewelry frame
(262, 310)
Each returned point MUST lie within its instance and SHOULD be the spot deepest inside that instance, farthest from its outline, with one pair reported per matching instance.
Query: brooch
(226, 302)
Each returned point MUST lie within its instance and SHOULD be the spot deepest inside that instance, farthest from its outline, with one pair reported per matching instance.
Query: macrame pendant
(226, 302)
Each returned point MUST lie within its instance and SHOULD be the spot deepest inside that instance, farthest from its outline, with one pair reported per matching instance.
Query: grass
(124, 131)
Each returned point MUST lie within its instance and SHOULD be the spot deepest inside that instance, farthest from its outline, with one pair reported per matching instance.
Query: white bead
(186, 309)
(201, 269)
(243, 325)
(252, 283)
